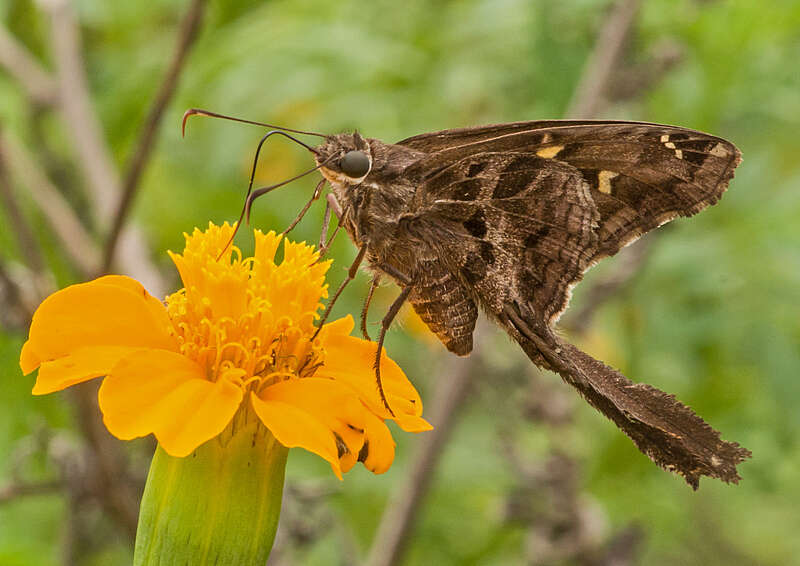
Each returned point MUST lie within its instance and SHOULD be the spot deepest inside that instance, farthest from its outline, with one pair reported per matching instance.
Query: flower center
(253, 349)
(248, 319)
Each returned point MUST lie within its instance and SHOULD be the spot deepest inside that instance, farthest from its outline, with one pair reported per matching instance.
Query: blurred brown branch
(75, 99)
(639, 77)
(603, 63)
(76, 240)
(395, 527)
(186, 36)
(15, 490)
(563, 524)
(17, 60)
(22, 297)
(94, 157)
(305, 518)
(113, 484)
(29, 246)
(103, 469)
(17, 307)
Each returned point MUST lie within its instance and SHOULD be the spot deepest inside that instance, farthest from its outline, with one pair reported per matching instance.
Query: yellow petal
(164, 393)
(339, 422)
(81, 365)
(155, 306)
(341, 327)
(111, 311)
(266, 245)
(412, 423)
(350, 360)
(377, 453)
(293, 427)
(28, 360)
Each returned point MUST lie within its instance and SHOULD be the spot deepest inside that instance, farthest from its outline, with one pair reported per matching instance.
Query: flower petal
(412, 423)
(350, 360)
(341, 424)
(111, 311)
(340, 327)
(377, 454)
(164, 393)
(155, 306)
(293, 427)
(81, 365)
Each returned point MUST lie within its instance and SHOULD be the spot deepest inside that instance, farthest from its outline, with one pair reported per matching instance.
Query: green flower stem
(219, 505)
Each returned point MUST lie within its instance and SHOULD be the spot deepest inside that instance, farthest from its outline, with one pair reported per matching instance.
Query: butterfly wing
(511, 225)
(519, 226)
(558, 196)
(499, 222)
(434, 142)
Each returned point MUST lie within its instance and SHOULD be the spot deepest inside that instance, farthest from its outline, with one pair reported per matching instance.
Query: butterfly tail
(662, 427)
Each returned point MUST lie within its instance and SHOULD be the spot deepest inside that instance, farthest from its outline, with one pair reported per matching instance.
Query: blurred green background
(711, 315)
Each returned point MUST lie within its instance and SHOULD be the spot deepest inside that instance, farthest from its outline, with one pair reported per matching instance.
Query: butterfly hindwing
(517, 223)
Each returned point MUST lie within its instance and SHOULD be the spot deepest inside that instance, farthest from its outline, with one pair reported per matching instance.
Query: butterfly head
(347, 159)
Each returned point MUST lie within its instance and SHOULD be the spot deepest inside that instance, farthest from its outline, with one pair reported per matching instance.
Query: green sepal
(219, 505)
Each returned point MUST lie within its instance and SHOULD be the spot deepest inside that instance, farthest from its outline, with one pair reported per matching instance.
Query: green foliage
(712, 316)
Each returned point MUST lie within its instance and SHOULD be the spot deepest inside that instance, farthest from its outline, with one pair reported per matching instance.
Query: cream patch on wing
(604, 181)
(670, 145)
(550, 152)
(719, 150)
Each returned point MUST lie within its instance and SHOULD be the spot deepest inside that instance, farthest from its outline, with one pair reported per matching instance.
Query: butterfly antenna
(264, 190)
(201, 112)
(247, 199)
(253, 195)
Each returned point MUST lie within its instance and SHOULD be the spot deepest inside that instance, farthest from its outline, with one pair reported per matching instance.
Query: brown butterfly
(508, 218)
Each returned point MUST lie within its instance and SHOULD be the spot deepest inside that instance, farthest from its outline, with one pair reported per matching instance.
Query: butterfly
(507, 218)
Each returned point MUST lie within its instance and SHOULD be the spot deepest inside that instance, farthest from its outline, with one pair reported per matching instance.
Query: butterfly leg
(351, 274)
(326, 222)
(299, 217)
(375, 282)
(324, 241)
(385, 324)
(334, 202)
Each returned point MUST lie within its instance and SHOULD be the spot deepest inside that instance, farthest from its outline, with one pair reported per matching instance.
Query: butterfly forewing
(522, 224)
(545, 200)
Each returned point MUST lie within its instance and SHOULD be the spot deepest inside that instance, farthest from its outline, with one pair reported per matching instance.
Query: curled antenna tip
(186, 115)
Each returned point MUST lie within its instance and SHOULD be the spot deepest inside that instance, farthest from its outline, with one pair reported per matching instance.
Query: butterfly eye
(355, 164)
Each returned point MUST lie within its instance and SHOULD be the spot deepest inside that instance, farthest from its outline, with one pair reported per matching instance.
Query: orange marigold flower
(236, 337)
